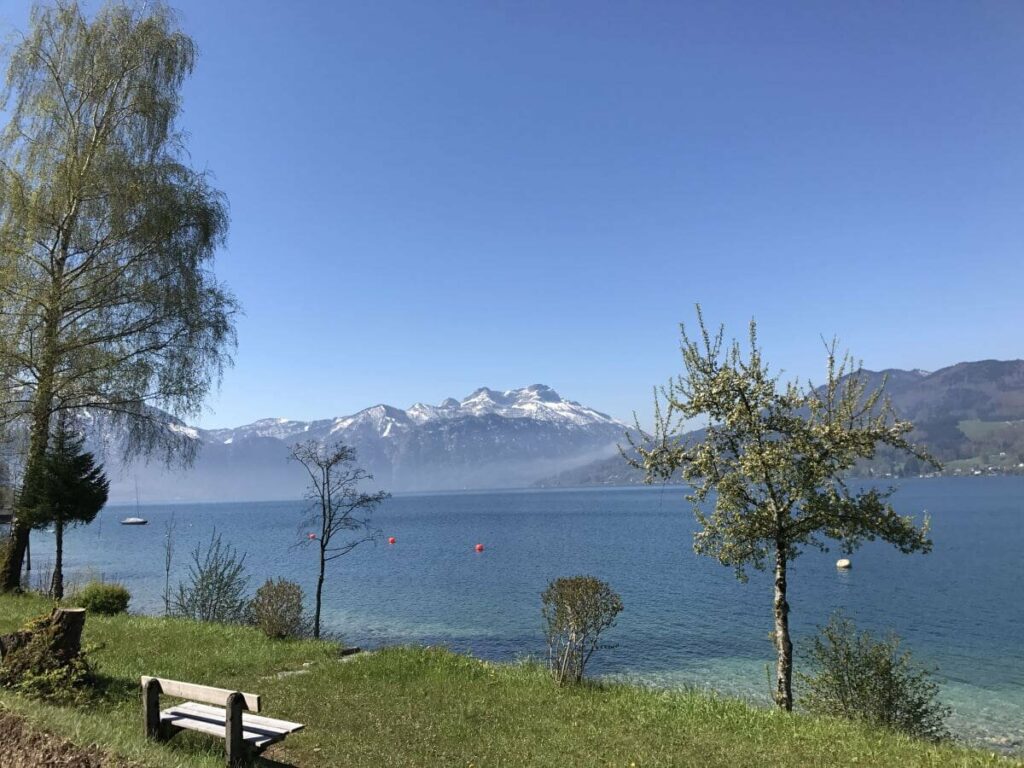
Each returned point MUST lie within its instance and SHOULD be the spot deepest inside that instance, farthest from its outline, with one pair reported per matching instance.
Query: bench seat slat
(197, 717)
(284, 726)
(192, 723)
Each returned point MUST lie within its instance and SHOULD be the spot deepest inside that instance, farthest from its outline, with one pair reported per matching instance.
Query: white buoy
(843, 564)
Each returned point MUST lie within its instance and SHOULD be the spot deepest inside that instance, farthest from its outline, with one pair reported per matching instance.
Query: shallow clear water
(687, 621)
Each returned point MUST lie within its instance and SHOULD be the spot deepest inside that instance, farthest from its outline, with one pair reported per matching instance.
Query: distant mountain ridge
(489, 439)
(969, 415)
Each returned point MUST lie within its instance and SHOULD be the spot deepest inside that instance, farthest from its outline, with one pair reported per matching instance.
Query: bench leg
(237, 752)
(151, 709)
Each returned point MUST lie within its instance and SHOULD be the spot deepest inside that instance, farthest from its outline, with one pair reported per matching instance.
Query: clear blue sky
(428, 197)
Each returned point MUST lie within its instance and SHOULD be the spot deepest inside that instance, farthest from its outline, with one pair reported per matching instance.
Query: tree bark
(319, 592)
(13, 557)
(13, 641)
(57, 585)
(68, 636)
(783, 642)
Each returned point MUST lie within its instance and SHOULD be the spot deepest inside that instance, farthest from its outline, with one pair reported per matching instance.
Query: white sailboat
(135, 520)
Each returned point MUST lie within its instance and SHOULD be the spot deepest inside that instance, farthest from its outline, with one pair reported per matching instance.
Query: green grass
(430, 707)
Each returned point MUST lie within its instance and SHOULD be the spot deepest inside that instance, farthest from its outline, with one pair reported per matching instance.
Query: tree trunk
(13, 556)
(42, 409)
(783, 643)
(57, 586)
(319, 592)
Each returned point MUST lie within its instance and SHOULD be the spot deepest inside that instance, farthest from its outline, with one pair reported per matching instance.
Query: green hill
(969, 415)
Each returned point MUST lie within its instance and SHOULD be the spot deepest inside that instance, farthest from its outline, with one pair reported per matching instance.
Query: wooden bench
(244, 735)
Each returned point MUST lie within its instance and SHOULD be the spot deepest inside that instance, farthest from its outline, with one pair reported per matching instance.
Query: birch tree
(775, 457)
(108, 301)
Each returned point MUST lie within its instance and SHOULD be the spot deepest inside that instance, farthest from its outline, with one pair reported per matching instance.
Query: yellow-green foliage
(277, 609)
(102, 597)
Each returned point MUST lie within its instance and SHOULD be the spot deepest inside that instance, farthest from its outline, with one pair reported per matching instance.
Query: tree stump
(12, 642)
(64, 626)
(44, 644)
(68, 624)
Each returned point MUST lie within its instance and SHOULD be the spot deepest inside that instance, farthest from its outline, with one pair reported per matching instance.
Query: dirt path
(26, 747)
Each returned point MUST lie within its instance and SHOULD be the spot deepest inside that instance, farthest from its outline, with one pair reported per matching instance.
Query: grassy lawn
(429, 707)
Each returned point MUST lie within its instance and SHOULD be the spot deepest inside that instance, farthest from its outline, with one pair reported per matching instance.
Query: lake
(687, 621)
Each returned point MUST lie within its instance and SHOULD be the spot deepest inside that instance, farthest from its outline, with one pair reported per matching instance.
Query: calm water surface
(687, 621)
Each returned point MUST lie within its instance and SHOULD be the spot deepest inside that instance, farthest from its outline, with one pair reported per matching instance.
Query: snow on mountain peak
(537, 401)
(538, 392)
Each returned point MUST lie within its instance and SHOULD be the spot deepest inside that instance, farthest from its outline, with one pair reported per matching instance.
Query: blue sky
(431, 197)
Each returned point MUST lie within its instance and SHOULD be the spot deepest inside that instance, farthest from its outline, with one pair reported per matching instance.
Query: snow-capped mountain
(489, 439)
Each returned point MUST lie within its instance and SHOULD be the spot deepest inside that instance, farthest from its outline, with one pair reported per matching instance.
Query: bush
(103, 598)
(277, 609)
(576, 610)
(858, 677)
(70, 684)
(216, 586)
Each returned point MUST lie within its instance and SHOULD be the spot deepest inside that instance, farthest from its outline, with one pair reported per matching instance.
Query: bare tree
(338, 507)
(169, 528)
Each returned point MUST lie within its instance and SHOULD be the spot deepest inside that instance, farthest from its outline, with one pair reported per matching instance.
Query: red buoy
(392, 539)
(479, 547)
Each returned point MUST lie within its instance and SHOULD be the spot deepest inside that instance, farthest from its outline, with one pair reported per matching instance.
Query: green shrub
(216, 586)
(277, 609)
(103, 598)
(576, 611)
(70, 684)
(857, 677)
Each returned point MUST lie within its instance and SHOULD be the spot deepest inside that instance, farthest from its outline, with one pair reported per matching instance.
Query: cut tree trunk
(67, 638)
(63, 634)
(12, 642)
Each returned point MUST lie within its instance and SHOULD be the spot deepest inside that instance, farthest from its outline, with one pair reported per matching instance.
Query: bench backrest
(202, 693)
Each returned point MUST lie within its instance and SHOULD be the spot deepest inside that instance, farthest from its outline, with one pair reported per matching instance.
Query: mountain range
(969, 415)
(489, 439)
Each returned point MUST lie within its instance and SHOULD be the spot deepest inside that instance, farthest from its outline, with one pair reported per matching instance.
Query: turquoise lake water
(687, 621)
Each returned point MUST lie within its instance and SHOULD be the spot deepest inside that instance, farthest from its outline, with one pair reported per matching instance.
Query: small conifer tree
(67, 488)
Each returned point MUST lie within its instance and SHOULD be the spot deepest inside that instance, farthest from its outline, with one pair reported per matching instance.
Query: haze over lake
(687, 621)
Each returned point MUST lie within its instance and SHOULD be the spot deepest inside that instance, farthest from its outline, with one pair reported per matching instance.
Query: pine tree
(67, 488)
